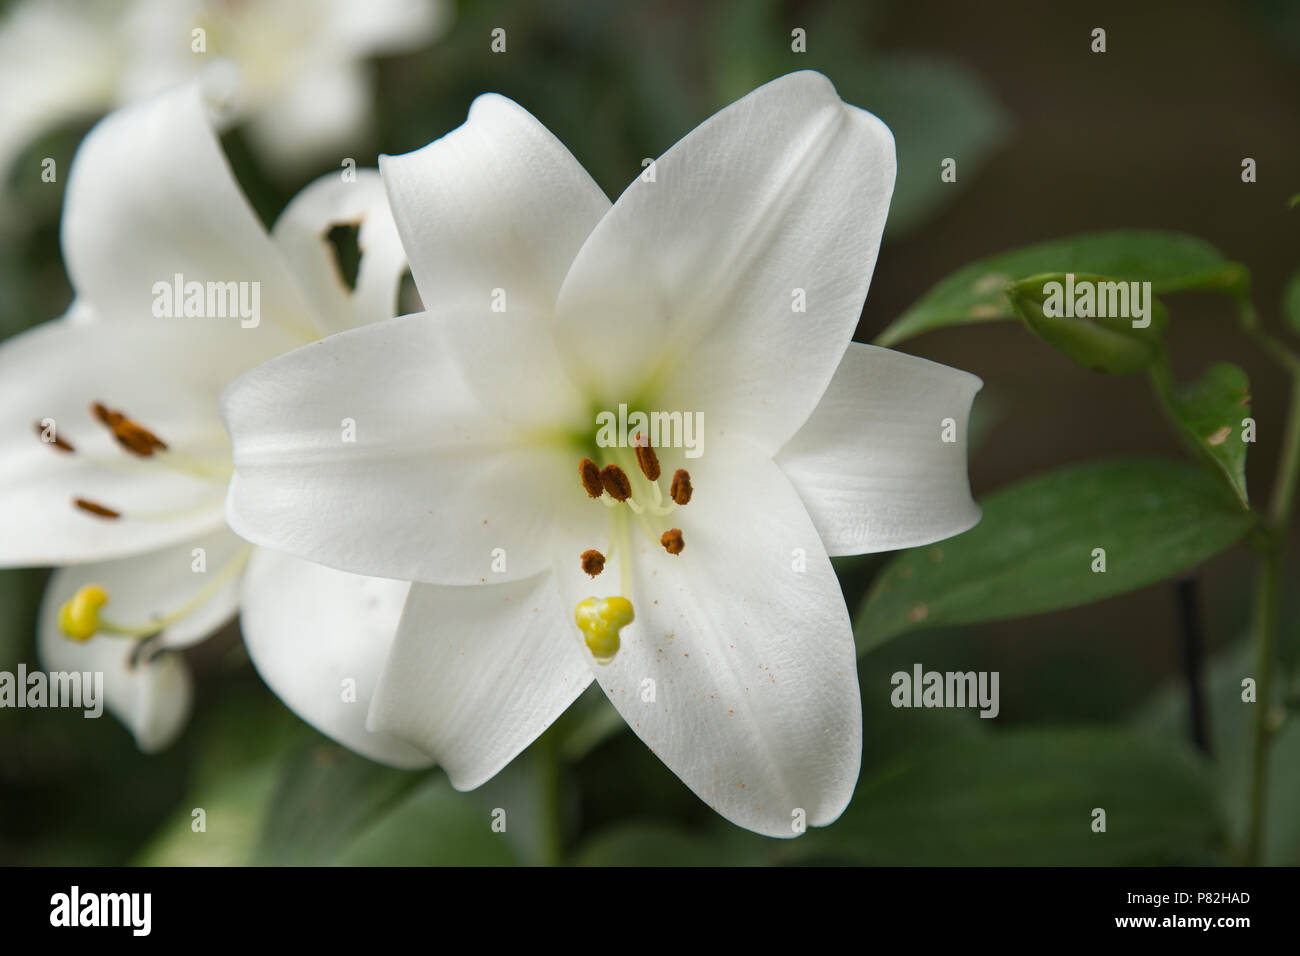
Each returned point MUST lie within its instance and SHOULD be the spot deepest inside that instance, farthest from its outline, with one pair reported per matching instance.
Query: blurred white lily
(304, 84)
(722, 635)
(113, 458)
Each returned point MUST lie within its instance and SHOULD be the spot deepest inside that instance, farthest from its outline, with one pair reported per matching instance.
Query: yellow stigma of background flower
(600, 620)
(79, 615)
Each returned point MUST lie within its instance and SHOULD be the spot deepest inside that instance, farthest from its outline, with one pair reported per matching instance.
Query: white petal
(497, 202)
(386, 26)
(150, 371)
(477, 673)
(57, 63)
(150, 196)
(319, 639)
(152, 697)
(739, 670)
(491, 216)
(324, 108)
(432, 488)
(301, 233)
(152, 59)
(871, 464)
(688, 289)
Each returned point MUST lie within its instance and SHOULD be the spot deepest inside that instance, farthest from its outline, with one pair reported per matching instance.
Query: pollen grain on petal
(590, 473)
(593, 562)
(616, 482)
(681, 490)
(96, 509)
(672, 541)
(53, 439)
(646, 458)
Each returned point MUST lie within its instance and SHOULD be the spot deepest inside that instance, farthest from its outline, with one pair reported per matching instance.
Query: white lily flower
(717, 626)
(305, 85)
(113, 457)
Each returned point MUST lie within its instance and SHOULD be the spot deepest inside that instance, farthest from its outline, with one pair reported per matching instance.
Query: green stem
(1268, 593)
(1282, 506)
(1248, 319)
(549, 774)
(1264, 614)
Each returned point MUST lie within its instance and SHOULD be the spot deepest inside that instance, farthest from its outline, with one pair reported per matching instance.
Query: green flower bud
(1110, 325)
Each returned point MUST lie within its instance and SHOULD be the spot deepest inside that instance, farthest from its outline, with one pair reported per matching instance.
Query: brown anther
(680, 491)
(133, 437)
(593, 562)
(672, 541)
(590, 473)
(646, 458)
(615, 481)
(54, 439)
(133, 440)
(95, 509)
(105, 415)
(139, 439)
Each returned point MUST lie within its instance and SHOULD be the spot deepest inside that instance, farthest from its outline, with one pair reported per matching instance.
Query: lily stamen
(612, 486)
(171, 459)
(646, 458)
(141, 443)
(96, 509)
(616, 483)
(589, 471)
(163, 514)
(681, 490)
(655, 506)
(132, 436)
(54, 440)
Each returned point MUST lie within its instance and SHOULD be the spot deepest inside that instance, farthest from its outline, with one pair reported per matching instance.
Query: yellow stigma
(79, 615)
(600, 620)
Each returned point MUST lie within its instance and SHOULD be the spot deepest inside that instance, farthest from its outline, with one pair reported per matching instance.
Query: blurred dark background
(1050, 139)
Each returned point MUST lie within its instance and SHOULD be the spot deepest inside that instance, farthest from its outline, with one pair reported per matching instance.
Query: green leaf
(1209, 414)
(433, 826)
(1170, 261)
(1033, 549)
(326, 797)
(332, 806)
(1291, 303)
(1027, 797)
(649, 844)
(588, 723)
(239, 747)
(20, 596)
(232, 804)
